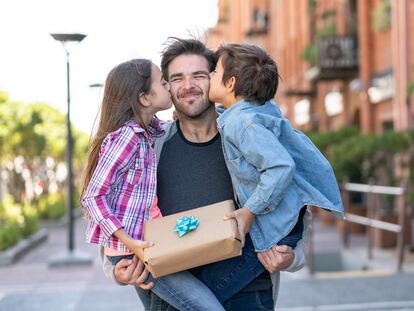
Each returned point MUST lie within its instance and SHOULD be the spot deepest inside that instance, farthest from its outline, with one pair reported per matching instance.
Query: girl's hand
(244, 220)
(137, 247)
(277, 258)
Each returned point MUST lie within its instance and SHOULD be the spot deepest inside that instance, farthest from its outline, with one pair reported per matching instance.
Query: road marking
(384, 305)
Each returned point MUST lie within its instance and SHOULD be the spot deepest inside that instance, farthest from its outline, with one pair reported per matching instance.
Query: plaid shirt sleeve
(115, 156)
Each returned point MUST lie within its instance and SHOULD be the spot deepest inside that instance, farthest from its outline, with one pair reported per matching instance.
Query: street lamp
(71, 256)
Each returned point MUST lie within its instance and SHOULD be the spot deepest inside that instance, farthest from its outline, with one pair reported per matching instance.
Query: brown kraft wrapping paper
(214, 240)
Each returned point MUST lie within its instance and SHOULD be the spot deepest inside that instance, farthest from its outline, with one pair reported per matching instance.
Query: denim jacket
(275, 170)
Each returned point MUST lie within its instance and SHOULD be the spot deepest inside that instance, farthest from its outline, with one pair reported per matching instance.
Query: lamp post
(70, 256)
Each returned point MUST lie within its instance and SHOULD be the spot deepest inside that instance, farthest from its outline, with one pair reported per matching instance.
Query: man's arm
(282, 257)
(126, 271)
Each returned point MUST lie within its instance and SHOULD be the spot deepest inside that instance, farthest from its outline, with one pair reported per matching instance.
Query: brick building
(342, 62)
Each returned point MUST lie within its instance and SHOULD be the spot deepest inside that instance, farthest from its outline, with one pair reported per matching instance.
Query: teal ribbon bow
(186, 224)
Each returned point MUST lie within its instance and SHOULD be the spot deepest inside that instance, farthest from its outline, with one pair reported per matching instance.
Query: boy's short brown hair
(255, 71)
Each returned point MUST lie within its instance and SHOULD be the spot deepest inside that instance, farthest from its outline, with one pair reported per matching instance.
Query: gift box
(214, 239)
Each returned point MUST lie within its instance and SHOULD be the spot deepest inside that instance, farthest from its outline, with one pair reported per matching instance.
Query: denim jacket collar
(235, 109)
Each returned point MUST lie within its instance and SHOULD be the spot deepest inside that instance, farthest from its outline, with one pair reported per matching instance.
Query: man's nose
(188, 82)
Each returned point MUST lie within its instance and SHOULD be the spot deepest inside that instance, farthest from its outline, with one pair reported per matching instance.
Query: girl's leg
(184, 291)
(226, 278)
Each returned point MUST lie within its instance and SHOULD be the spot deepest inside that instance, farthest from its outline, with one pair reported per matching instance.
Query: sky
(33, 64)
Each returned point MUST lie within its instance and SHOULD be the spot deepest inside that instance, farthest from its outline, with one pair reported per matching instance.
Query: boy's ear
(230, 84)
(143, 99)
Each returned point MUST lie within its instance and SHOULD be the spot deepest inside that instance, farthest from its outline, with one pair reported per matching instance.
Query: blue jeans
(251, 301)
(226, 278)
(295, 234)
(181, 290)
(242, 301)
(219, 282)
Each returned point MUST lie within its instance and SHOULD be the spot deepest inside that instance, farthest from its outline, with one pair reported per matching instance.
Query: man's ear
(231, 84)
(144, 100)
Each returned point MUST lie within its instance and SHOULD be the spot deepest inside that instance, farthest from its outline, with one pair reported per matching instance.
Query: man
(192, 173)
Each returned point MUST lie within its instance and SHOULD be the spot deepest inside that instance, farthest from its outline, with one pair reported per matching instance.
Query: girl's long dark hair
(123, 86)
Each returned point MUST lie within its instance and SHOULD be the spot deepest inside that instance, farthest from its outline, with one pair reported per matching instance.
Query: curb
(12, 254)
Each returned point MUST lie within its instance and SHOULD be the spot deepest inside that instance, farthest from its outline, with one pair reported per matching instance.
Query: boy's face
(218, 91)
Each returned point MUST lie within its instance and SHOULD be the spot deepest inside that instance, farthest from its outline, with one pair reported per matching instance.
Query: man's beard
(185, 109)
(182, 110)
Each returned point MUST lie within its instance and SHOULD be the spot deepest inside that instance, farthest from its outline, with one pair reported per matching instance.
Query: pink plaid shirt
(123, 185)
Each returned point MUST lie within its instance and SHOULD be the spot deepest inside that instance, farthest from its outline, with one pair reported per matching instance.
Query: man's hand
(244, 219)
(277, 258)
(132, 272)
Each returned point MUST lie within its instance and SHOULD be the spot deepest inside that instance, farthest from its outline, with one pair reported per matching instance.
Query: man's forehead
(188, 63)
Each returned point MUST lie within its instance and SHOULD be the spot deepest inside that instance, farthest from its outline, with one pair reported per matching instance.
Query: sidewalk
(379, 288)
(30, 285)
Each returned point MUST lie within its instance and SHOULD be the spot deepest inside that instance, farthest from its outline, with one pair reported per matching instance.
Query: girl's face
(159, 95)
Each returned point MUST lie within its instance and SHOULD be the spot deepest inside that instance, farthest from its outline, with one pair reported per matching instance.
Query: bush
(363, 158)
(31, 220)
(16, 221)
(52, 206)
(10, 233)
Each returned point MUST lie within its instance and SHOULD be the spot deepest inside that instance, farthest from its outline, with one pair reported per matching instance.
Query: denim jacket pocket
(135, 172)
(242, 170)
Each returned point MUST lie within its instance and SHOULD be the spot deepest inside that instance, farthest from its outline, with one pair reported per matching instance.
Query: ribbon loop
(186, 224)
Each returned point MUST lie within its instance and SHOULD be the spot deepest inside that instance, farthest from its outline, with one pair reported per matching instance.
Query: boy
(276, 170)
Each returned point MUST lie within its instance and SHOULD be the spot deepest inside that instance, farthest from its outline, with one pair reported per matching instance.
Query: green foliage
(328, 30)
(311, 6)
(31, 220)
(410, 88)
(51, 206)
(16, 221)
(310, 54)
(31, 131)
(324, 141)
(381, 16)
(3, 97)
(10, 233)
(368, 157)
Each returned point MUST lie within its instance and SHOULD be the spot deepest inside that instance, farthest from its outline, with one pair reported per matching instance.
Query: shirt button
(267, 209)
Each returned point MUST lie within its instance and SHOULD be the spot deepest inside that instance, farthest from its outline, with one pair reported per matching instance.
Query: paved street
(30, 285)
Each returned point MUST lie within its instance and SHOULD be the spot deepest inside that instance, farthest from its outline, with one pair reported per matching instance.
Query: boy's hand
(244, 219)
(277, 258)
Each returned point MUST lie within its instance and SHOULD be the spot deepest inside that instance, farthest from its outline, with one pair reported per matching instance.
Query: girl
(119, 192)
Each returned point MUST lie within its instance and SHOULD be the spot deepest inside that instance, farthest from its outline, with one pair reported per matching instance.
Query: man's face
(189, 79)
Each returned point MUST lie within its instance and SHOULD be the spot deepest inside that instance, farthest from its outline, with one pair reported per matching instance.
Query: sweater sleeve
(301, 248)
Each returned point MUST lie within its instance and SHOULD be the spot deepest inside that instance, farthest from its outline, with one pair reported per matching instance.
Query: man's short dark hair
(255, 71)
(177, 46)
